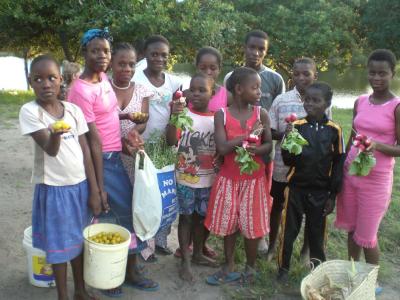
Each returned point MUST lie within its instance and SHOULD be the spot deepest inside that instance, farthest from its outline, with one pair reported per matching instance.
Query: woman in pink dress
(364, 200)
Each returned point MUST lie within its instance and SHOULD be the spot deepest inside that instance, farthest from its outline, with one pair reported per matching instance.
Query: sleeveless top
(378, 122)
(233, 129)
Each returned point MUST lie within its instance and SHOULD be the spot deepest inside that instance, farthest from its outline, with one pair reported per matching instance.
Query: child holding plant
(291, 102)
(195, 171)
(364, 199)
(314, 176)
(239, 200)
(63, 174)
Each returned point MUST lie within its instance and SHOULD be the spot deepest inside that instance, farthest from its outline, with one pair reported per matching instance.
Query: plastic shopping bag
(146, 202)
(167, 187)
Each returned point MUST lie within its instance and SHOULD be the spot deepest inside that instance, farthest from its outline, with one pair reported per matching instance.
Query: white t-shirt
(67, 167)
(159, 108)
(196, 152)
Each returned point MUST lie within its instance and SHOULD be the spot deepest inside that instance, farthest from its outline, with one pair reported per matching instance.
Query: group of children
(91, 163)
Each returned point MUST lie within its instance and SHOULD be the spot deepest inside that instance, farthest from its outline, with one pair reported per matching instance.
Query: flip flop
(163, 251)
(220, 278)
(145, 284)
(113, 293)
(209, 252)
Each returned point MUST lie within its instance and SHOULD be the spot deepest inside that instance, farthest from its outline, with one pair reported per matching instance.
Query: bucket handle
(95, 220)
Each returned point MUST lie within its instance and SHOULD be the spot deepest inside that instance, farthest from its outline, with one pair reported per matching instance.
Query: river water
(346, 85)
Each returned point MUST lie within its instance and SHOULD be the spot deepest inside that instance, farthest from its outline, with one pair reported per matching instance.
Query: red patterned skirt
(239, 205)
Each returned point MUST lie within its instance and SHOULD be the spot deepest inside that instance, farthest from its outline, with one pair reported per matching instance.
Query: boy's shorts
(192, 200)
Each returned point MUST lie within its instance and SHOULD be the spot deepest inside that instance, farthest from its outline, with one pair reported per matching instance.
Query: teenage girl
(209, 62)
(239, 202)
(63, 174)
(163, 86)
(93, 93)
(364, 200)
(132, 97)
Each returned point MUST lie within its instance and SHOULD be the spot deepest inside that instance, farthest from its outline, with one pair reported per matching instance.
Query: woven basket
(337, 272)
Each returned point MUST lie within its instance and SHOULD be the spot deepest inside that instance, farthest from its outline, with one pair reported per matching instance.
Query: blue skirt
(59, 215)
(119, 194)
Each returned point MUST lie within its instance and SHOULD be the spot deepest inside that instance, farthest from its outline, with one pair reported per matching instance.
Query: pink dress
(135, 105)
(239, 202)
(364, 200)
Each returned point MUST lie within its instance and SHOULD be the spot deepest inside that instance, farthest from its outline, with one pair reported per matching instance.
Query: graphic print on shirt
(195, 156)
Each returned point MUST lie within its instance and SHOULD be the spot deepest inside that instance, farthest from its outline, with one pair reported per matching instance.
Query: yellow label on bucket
(41, 270)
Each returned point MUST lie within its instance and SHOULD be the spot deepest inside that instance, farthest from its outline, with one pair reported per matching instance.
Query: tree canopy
(329, 31)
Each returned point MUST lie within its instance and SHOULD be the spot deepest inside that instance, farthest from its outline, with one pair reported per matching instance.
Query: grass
(389, 242)
(11, 102)
(265, 287)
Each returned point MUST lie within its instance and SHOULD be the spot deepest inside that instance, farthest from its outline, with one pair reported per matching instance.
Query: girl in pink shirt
(364, 200)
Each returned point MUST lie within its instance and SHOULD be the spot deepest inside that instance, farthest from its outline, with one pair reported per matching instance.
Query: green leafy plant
(294, 142)
(245, 161)
(182, 121)
(159, 152)
(362, 164)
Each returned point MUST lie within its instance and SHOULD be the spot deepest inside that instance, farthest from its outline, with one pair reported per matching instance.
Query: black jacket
(320, 165)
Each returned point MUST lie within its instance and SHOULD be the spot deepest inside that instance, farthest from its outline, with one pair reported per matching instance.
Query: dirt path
(15, 216)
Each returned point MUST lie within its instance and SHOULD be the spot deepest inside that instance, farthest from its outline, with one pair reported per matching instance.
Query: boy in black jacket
(314, 177)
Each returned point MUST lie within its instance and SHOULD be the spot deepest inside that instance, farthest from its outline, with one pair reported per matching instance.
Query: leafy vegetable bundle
(181, 121)
(159, 152)
(293, 141)
(364, 161)
(245, 160)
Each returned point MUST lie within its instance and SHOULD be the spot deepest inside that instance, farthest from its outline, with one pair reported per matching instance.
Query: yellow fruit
(107, 238)
(61, 125)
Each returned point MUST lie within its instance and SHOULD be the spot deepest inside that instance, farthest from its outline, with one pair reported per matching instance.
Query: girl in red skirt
(240, 202)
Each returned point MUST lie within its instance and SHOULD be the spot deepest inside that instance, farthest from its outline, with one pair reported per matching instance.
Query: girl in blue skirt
(63, 174)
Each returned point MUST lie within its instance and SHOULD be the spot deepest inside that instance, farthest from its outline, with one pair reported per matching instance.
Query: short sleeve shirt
(99, 105)
(196, 152)
(159, 103)
(66, 168)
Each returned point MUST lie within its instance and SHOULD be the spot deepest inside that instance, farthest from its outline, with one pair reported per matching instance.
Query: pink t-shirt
(99, 105)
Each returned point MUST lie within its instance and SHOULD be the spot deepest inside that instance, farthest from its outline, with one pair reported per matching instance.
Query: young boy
(314, 177)
(304, 74)
(195, 171)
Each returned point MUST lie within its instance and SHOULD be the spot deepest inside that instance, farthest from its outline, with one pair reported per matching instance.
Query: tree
(319, 29)
(381, 23)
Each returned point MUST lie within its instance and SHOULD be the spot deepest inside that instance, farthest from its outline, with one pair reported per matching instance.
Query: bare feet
(185, 272)
(203, 260)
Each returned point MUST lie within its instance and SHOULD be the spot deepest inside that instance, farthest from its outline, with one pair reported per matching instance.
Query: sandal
(178, 252)
(145, 284)
(220, 278)
(113, 293)
(249, 276)
(163, 251)
(205, 263)
(209, 252)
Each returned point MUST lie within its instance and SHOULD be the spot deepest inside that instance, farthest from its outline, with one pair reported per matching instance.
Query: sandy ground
(15, 216)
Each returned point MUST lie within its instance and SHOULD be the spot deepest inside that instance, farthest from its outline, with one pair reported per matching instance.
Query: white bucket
(104, 266)
(40, 273)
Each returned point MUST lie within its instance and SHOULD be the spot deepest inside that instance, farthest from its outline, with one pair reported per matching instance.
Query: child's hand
(134, 141)
(289, 128)
(104, 201)
(95, 203)
(59, 127)
(252, 149)
(177, 107)
(329, 206)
